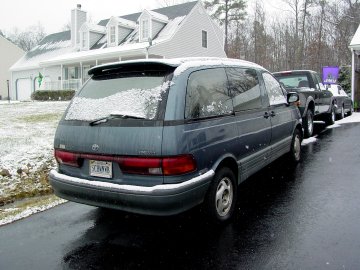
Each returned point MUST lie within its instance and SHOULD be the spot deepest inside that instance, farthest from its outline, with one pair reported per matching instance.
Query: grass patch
(49, 117)
(26, 207)
(31, 184)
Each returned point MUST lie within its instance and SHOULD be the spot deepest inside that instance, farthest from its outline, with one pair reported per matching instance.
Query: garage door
(23, 89)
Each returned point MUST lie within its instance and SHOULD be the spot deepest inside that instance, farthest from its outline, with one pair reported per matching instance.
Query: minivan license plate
(101, 168)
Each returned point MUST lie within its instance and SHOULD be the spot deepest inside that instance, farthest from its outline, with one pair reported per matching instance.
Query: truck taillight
(67, 158)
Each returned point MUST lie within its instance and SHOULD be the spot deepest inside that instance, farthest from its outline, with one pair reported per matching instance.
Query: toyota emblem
(95, 147)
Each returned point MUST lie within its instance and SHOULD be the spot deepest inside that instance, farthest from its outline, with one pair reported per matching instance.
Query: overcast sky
(53, 15)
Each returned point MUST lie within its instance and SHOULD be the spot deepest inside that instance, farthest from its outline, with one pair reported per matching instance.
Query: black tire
(351, 110)
(330, 118)
(219, 204)
(308, 123)
(342, 113)
(295, 150)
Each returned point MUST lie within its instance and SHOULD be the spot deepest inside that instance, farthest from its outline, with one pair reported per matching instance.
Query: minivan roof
(174, 63)
(294, 71)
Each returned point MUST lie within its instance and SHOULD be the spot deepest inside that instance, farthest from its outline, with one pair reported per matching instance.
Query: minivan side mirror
(292, 97)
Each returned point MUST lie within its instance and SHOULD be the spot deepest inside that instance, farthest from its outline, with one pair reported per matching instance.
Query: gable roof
(58, 45)
(171, 12)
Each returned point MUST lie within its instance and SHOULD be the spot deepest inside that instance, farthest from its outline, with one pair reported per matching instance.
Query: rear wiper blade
(113, 116)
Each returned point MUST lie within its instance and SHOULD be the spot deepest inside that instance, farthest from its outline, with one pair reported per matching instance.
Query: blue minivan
(159, 137)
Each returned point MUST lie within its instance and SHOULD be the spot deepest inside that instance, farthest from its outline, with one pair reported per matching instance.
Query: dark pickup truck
(316, 102)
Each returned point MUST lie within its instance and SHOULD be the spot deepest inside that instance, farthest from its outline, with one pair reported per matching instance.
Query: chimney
(78, 18)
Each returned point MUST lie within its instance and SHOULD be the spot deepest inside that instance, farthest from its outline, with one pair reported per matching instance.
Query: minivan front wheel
(295, 151)
(221, 197)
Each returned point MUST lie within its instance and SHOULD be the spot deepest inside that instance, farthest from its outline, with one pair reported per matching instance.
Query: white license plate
(101, 168)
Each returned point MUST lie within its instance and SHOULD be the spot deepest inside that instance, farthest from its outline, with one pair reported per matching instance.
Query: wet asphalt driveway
(304, 217)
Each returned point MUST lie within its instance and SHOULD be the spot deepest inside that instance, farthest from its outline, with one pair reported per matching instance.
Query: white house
(63, 59)
(9, 54)
(355, 51)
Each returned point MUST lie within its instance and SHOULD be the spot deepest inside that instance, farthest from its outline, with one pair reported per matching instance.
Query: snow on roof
(355, 42)
(122, 21)
(41, 53)
(158, 16)
(93, 28)
(169, 30)
(95, 54)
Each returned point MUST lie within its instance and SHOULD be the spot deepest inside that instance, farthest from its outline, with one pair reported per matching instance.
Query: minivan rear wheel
(221, 198)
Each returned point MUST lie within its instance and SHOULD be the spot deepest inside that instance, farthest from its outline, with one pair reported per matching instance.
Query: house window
(145, 29)
(84, 39)
(204, 39)
(112, 34)
(72, 73)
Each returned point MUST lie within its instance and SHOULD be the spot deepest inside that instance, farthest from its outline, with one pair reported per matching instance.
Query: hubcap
(310, 125)
(333, 116)
(297, 147)
(224, 197)
(342, 112)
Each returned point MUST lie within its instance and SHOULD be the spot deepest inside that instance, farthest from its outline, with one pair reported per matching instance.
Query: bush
(45, 95)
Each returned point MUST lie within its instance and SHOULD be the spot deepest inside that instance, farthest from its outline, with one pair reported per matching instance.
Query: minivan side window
(274, 90)
(207, 94)
(244, 88)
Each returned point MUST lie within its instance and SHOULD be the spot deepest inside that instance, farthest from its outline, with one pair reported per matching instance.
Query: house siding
(156, 27)
(94, 37)
(123, 32)
(9, 54)
(187, 40)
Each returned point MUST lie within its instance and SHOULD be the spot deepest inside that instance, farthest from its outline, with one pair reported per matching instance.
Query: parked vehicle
(316, 102)
(159, 137)
(344, 104)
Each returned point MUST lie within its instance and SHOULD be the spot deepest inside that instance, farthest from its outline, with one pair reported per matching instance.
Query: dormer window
(112, 34)
(117, 29)
(90, 34)
(150, 24)
(145, 29)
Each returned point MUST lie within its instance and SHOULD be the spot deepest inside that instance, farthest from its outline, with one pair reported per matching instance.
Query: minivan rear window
(137, 94)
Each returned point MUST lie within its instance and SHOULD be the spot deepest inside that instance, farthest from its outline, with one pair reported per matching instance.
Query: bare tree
(29, 38)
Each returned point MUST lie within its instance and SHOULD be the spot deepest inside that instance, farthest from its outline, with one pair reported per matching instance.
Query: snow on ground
(26, 144)
(27, 133)
(354, 118)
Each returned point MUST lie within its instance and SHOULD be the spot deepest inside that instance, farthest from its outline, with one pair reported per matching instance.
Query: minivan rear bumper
(162, 200)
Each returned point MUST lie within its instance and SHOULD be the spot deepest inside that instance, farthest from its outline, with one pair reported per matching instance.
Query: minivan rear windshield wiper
(113, 116)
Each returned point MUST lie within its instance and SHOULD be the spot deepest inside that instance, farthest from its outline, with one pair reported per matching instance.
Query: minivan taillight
(178, 165)
(166, 166)
(67, 158)
(158, 166)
